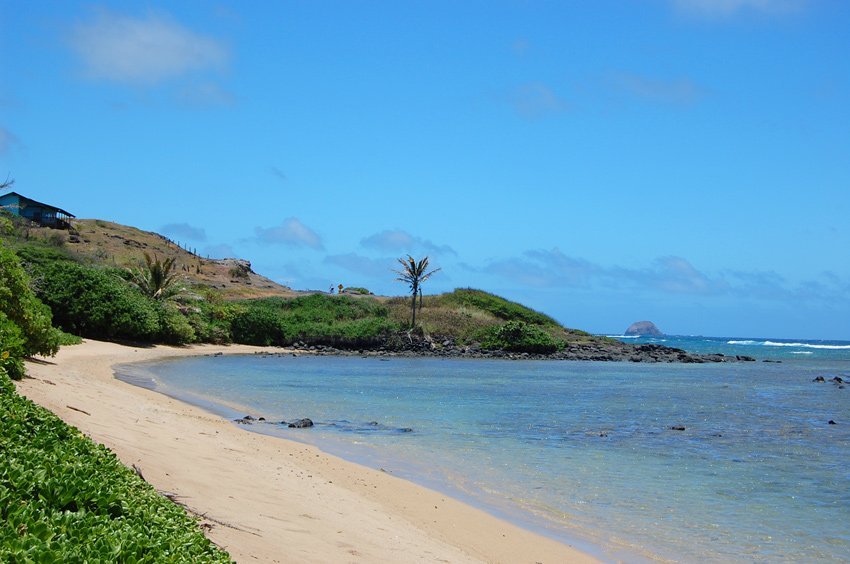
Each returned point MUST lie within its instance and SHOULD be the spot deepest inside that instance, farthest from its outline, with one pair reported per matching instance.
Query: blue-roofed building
(43, 214)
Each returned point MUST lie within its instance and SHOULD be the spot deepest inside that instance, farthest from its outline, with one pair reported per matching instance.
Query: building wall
(44, 215)
(11, 203)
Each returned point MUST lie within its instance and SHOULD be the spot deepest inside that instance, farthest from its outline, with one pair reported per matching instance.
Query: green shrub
(95, 303)
(175, 328)
(208, 332)
(357, 290)
(257, 326)
(11, 348)
(317, 319)
(7, 227)
(64, 498)
(20, 307)
(518, 336)
(212, 323)
(67, 339)
(240, 272)
(36, 254)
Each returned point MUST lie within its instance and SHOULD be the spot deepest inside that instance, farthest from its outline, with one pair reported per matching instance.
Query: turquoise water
(581, 451)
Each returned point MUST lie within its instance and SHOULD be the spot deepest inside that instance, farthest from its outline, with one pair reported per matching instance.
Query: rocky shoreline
(602, 351)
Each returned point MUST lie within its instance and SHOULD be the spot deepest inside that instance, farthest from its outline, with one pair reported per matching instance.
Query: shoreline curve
(267, 498)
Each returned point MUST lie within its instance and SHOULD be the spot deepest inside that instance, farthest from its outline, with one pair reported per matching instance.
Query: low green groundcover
(64, 498)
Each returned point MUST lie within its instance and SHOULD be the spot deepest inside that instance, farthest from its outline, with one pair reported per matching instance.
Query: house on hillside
(43, 214)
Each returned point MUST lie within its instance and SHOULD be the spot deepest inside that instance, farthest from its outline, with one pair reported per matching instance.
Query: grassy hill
(84, 276)
(104, 243)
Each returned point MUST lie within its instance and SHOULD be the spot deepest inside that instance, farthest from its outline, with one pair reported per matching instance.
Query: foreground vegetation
(64, 498)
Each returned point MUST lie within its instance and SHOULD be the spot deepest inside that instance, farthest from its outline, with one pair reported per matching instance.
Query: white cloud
(677, 91)
(520, 47)
(290, 232)
(666, 276)
(544, 269)
(7, 141)
(143, 50)
(537, 100)
(380, 268)
(279, 174)
(676, 275)
(204, 95)
(398, 240)
(184, 231)
(716, 9)
(219, 251)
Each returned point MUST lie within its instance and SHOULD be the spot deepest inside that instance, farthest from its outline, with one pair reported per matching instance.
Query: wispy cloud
(374, 268)
(397, 240)
(718, 9)
(536, 100)
(143, 50)
(8, 141)
(544, 269)
(680, 90)
(219, 251)
(290, 232)
(279, 174)
(206, 94)
(184, 231)
(669, 275)
(520, 47)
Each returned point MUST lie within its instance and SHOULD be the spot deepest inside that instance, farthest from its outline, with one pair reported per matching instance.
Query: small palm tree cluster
(414, 274)
(158, 279)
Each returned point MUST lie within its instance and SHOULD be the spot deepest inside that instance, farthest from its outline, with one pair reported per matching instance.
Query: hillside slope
(95, 241)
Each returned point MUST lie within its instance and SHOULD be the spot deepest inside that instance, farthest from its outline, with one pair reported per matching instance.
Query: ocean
(729, 462)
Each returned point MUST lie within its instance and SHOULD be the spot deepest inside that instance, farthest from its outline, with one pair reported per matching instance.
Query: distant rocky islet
(643, 329)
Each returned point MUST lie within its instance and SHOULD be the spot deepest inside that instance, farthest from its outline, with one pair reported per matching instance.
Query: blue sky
(683, 161)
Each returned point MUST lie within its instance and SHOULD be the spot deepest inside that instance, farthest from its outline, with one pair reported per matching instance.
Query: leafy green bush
(96, 303)
(317, 319)
(67, 339)
(20, 308)
(36, 254)
(518, 336)
(11, 348)
(7, 227)
(174, 329)
(258, 326)
(357, 290)
(213, 320)
(64, 498)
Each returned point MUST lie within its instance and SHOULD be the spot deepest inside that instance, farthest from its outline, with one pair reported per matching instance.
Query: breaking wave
(796, 345)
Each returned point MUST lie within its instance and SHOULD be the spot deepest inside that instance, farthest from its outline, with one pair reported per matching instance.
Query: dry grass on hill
(112, 244)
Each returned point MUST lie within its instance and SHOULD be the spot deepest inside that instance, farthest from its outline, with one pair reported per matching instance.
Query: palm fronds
(158, 279)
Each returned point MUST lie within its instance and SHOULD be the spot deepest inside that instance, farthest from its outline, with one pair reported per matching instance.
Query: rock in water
(643, 329)
(301, 424)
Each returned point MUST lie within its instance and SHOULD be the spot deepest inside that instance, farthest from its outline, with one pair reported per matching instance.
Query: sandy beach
(262, 498)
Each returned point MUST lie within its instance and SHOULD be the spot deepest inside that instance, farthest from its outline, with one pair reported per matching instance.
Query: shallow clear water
(579, 450)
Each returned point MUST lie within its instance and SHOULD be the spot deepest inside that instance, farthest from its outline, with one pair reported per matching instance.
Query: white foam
(796, 345)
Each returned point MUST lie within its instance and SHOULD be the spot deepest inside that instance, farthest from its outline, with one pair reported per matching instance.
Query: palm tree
(158, 279)
(413, 273)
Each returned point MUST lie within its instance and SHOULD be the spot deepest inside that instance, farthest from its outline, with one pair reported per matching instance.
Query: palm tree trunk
(413, 309)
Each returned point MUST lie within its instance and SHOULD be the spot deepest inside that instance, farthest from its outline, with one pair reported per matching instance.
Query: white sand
(269, 499)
